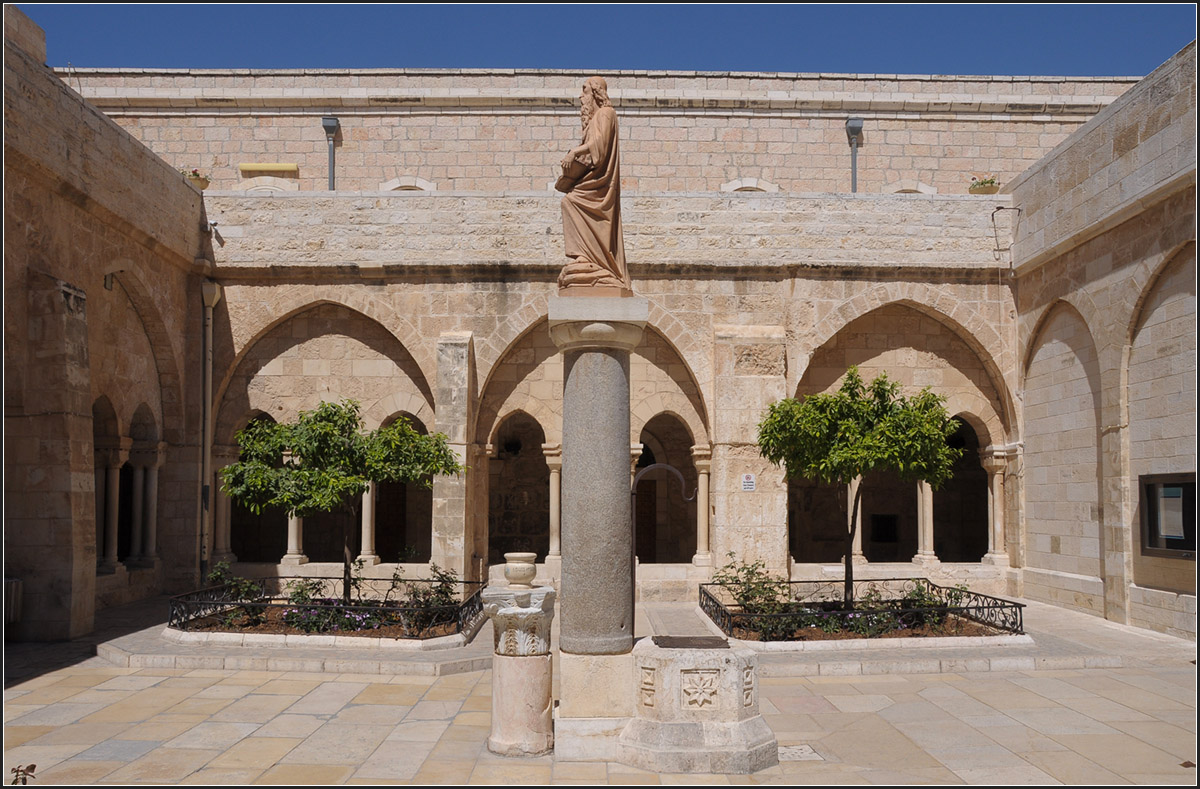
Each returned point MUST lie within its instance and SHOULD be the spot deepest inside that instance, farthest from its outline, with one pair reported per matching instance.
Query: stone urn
(198, 181)
(984, 190)
(519, 569)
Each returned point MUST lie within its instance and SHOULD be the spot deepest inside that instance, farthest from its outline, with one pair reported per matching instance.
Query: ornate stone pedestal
(521, 670)
(696, 710)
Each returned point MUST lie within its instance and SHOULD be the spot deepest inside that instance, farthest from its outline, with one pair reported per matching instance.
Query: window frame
(1147, 506)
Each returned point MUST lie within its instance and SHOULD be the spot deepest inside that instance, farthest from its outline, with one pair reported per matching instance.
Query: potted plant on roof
(984, 186)
(196, 178)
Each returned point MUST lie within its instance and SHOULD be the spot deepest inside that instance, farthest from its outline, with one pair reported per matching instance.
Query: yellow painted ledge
(269, 167)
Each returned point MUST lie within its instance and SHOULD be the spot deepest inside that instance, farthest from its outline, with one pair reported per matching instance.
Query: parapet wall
(680, 132)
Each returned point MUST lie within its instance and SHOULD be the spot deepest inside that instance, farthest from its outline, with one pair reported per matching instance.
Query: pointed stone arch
(287, 301)
(337, 352)
(170, 411)
(966, 323)
(1061, 463)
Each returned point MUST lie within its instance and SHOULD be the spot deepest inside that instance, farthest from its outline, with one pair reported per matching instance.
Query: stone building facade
(147, 321)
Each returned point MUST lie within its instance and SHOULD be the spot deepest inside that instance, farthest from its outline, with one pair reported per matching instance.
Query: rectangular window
(1168, 506)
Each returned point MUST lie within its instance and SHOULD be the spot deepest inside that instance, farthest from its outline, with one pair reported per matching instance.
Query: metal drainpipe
(330, 125)
(854, 128)
(211, 294)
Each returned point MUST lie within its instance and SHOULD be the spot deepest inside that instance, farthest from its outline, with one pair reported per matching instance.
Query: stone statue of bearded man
(591, 207)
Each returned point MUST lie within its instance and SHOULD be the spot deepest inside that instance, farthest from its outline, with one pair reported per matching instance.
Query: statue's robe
(592, 209)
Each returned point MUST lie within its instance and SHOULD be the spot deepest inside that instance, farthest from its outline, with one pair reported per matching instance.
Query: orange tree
(860, 428)
(324, 462)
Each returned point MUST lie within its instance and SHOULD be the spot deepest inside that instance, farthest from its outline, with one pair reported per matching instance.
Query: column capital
(225, 454)
(114, 452)
(702, 457)
(553, 455)
(520, 619)
(148, 455)
(581, 322)
(993, 464)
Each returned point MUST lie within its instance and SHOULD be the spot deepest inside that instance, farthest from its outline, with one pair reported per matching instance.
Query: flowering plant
(988, 181)
(193, 173)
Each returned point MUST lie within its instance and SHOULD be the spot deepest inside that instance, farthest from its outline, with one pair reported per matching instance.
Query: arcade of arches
(144, 327)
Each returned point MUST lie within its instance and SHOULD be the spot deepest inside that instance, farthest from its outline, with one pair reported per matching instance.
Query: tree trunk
(347, 559)
(848, 583)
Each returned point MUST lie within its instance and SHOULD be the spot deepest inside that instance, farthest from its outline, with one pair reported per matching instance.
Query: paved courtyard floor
(82, 719)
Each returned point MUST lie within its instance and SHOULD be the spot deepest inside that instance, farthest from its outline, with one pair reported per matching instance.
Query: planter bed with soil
(416, 609)
(896, 608)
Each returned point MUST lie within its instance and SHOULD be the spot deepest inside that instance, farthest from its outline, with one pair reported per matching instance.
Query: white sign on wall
(748, 482)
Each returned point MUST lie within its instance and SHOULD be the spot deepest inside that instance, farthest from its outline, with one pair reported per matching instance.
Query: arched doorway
(666, 522)
(960, 507)
(518, 490)
(816, 521)
(257, 537)
(404, 514)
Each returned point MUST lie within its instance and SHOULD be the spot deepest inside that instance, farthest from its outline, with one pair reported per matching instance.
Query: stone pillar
(295, 542)
(367, 555)
(997, 552)
(47, 422)
(453, 538)
(139, 491)
(522, 671)
(113, 457)
(151, 545)
(925, 553)
(855, 511)
(702, 458)
(222, 506)
(553, 454)
(635, 454)
(595, 336)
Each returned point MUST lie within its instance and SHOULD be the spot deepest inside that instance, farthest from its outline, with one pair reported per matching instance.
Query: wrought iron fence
(415, 608)
(881, 606)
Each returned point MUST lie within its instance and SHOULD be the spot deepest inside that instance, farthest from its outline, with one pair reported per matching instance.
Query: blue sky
(1061, 40)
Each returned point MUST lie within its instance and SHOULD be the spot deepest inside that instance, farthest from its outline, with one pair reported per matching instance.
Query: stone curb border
(283, 661)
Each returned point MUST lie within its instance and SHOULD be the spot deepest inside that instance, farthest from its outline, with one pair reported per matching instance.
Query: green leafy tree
(837, 437)
(324, 462)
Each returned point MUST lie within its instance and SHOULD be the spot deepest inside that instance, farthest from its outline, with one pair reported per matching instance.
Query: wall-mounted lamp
(331, 126)
(854, 127)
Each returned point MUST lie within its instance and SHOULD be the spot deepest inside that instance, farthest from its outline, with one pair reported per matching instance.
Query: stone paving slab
(82, 719)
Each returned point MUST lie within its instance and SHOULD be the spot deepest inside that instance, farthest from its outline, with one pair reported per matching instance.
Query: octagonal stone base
(696, 711)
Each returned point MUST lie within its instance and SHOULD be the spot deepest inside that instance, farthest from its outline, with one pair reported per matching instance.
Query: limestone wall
(100, 283)
(1139, 149)
(1105, 254)
(681, 131)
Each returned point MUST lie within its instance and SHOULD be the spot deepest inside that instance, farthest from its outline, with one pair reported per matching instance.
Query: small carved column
(137, 502)
(113, 458)
(925, 552)
(553, 454)
(635, 454)
(855, 512)
(997, 552)
(522, 670)
(295, 542)
(367, 555)
(702, 458)
(222, 507)
(150, 546)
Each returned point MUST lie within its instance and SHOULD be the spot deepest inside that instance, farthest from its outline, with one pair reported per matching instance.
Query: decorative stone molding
(910, 186)
(697, 709)
(579, 322)
(408, 183)
(267, 184)
(749, 185)
(520, 619)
